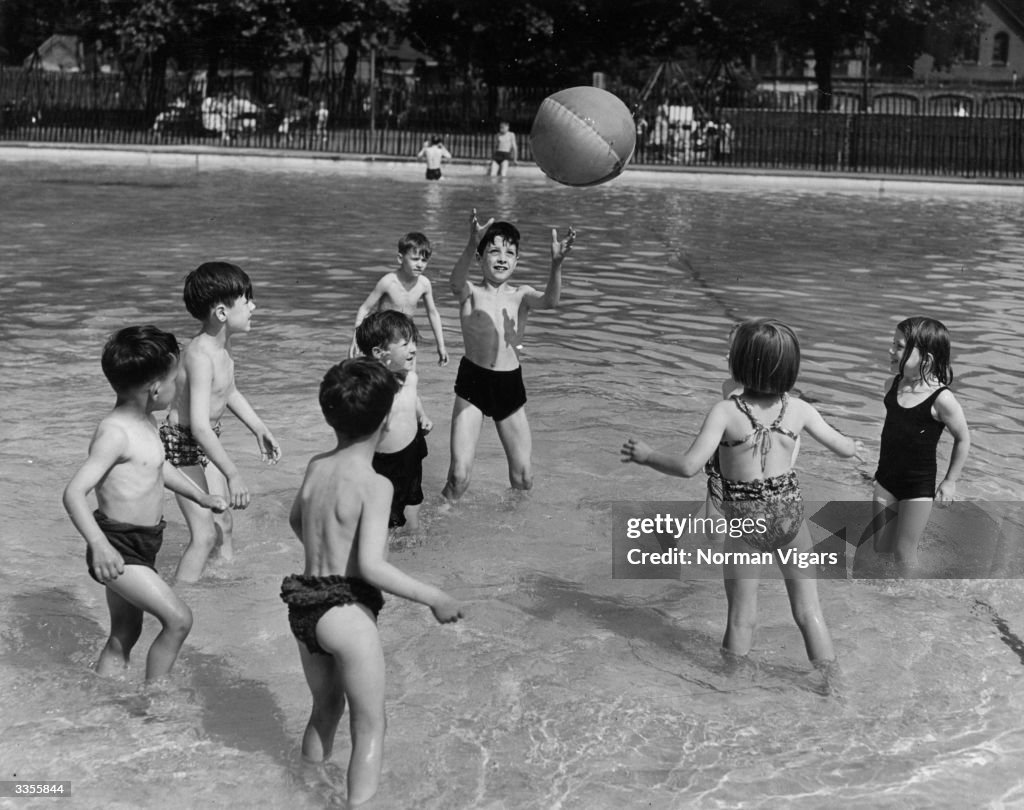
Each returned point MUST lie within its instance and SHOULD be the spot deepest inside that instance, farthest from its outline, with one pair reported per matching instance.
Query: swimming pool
(565, 688)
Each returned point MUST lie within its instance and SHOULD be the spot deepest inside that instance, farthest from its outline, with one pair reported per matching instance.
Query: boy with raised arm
(493, 317)
(219, 296)
(404, 288)
(127, 469)
(341, 516)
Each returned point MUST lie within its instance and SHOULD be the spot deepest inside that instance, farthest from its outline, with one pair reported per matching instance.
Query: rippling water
(564, 688)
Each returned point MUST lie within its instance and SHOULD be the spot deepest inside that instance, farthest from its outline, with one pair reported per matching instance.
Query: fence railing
(946, 137)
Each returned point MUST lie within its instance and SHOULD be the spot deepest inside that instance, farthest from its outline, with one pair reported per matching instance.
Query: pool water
(564, 688)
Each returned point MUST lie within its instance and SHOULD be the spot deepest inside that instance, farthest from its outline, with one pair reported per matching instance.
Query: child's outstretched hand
(442, 357)
(636, 451)
(559, 250)
(476, 230)
(860, 452)
(448, 610)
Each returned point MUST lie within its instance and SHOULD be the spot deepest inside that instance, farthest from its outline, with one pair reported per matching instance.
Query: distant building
(997, 56)
(65, 53)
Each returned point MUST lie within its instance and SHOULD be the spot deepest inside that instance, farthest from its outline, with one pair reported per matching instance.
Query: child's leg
(910, 524)
(143, 588)
(741, 583)
(349, 633)
(203, 530)
(883, 525)
(412, 518)
(466, 422)
(514, 432)
(125, 629)
(802, 587)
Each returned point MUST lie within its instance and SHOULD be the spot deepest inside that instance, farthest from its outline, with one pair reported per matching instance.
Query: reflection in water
(564, 688)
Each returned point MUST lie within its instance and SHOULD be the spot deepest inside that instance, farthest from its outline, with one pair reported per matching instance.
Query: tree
(828, 28)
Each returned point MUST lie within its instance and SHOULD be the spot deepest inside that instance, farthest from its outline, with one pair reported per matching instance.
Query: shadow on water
(657, 639)
(51, 631)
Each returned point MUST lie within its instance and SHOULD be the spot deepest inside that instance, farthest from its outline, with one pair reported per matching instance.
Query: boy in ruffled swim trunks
(127, 469)
(219, 296)
(490, 380)
(341, 514)
(391, 337)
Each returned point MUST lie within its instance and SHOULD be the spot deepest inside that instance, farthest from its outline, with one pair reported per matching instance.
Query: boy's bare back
(342, 502)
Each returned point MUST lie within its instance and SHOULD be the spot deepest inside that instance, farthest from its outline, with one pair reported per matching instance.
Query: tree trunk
(348, 81)
(823, 75)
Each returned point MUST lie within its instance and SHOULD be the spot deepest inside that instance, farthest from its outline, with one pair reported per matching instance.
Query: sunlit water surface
(564, 688)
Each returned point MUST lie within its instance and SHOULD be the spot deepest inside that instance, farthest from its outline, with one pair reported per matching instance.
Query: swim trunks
(498, 394)
(137, 545)
(501, 157)
(181, 447)
(404, 469)
(776, 500)
(433, 174)
(910, 438)
(309, 598)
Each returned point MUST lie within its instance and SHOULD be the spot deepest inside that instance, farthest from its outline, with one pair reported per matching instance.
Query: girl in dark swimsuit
(752, 436)
(918, 407)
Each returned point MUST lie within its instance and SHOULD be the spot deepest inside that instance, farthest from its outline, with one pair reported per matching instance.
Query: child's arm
(824, 433)
(375, 569)
(270, 450)
(180, 484)
(107, 448)
(434, 317)
(458, 282)
(952, 415)
(553, 291)
(423, 151)
(295, 516)
(368, 306)
(689, 463)
(513, 153)
(422, 418)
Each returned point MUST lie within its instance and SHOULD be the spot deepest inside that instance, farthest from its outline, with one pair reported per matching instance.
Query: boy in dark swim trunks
(493, 316)
(340, 514)
(127, 469)
(391, 338)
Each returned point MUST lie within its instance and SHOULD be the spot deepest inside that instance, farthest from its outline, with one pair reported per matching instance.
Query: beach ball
(582, 136)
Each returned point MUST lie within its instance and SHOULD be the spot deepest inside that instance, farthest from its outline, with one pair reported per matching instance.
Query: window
(1000, 48)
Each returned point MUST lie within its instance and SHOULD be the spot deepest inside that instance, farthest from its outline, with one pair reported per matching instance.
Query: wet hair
(356, 395)
(435, 140)
(505, 231)
(379, 330)
(137, 355)
(215, 283)
(416, 241)
(765, 356)
(931, 338)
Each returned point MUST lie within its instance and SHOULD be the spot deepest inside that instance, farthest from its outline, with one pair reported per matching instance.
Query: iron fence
(946, 134)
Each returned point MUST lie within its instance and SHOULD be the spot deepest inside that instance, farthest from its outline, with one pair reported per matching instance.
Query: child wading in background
(754, 434)
(435, 153)
(404, 288)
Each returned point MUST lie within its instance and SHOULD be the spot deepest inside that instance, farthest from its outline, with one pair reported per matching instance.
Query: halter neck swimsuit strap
(761, 435)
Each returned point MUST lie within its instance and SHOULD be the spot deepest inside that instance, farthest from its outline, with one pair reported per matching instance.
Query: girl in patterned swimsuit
(754, 434)
(918, 406)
